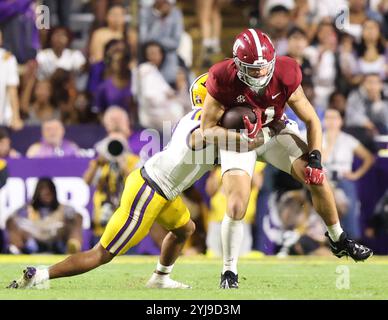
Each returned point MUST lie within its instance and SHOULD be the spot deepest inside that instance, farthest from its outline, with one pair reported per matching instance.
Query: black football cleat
(346, 247)
(229, 280)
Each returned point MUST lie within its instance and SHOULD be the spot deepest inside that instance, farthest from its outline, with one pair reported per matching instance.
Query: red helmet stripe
(257, 43)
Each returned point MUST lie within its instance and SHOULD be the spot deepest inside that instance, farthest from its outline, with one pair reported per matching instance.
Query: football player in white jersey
(151, 193)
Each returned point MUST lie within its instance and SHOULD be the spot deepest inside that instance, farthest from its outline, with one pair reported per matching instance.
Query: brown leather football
(233, 117)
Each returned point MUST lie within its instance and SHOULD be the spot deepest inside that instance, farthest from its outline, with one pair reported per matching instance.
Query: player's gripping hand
(313, 172)
(252, 129)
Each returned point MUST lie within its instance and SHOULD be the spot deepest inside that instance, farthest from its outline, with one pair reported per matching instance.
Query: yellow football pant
(140, 206)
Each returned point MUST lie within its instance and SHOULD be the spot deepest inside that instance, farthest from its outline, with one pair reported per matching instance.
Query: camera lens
(115, 148)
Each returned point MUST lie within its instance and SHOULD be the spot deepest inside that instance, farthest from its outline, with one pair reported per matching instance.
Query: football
(233, 117)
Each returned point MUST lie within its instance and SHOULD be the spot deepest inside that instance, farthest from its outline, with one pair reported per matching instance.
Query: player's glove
(252, 129)
(313, 172)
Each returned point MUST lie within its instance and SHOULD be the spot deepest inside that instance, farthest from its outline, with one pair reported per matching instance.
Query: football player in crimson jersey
(257, 77)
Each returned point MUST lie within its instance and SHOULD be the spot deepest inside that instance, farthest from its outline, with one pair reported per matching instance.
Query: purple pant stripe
(134, 204)
(142, 211)
(195, 113)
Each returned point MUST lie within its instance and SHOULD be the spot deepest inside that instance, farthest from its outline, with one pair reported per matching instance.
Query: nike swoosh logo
(273, 97)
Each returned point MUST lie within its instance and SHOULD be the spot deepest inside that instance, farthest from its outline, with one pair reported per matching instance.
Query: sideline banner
(67, 175)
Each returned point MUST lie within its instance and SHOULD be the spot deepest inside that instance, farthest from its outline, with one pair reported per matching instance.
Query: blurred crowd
(127, 66)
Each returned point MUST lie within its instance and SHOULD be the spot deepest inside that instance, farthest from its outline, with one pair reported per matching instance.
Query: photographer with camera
(107, 173)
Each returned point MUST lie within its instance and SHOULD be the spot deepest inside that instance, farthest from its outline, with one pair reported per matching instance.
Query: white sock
(207, 43)
(335, 231)
(42, 274)
(232, 235)
(164, 269)
(216, 45)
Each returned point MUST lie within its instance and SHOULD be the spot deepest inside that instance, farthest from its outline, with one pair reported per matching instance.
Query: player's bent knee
(184, 232)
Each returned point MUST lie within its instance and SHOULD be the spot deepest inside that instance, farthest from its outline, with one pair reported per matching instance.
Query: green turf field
(263, 278)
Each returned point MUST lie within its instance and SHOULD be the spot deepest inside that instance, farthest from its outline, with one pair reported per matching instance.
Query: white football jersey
(178, 166)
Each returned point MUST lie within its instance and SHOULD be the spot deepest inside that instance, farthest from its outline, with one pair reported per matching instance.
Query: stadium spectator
(322, 55)
(297, 44)
(367, 108)
(347, 60)
(382, 8)
(210, 22)
(116, 89)
(65, 95)
(107, 173)
(18, 25)
(97, 70)
(53, 143)
(44, 225)
(301, 229)
(144, 144)
(115, 29)
(163, 22)
(339, 150)
(6, 150)
(37, 99)
(337, 101)
(378, 222)
(154, 109)
(304, 17)
(9, 82)
(278, 23)
(83, 109)
(359, 12)
(100, 9)
(371, 51)
(58, 55)
(62, 10)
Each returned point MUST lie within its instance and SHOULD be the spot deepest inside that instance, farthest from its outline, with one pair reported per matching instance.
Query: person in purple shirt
(20, 34)
(116, 88)
(53, 143)
(97, 69)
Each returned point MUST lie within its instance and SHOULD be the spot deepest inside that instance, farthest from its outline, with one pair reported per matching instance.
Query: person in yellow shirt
(218, 208)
